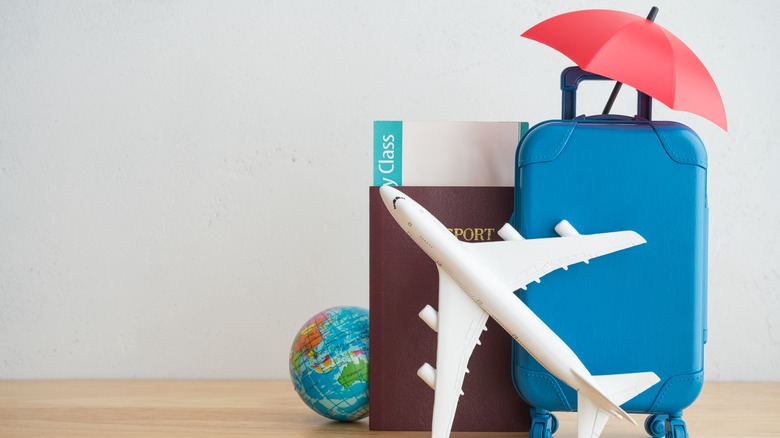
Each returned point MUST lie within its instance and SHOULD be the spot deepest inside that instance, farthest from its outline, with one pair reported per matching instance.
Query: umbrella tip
(653, 13)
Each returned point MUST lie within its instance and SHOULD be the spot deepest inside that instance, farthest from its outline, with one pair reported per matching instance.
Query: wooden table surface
(272, 408)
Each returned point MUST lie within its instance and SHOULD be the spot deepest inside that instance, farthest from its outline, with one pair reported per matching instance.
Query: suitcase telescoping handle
(570, 80)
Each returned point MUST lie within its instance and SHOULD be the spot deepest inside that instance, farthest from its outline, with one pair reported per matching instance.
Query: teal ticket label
(522, 130)
(388, 147)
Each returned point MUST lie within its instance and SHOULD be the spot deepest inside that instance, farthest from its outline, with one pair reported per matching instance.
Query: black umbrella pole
(653, 12)
(618, 85)
(612, 97)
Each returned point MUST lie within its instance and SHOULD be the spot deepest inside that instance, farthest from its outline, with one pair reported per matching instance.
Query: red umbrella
(636, 51)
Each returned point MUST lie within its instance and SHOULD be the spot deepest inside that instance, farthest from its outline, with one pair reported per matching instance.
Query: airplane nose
(389, 195)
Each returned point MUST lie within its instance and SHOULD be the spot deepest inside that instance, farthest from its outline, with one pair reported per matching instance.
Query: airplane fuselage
(490, 293)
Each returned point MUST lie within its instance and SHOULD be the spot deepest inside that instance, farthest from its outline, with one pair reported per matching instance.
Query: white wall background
(184, 183)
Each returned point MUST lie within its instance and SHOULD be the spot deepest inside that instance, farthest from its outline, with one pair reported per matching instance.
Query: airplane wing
(618, 388)
(460, 322)
(520, 262)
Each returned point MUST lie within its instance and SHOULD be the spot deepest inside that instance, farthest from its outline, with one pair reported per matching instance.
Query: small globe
(329, 363)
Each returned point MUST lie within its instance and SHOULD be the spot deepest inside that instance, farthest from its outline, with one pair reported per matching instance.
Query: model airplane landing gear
(543, 423)
(668, 426)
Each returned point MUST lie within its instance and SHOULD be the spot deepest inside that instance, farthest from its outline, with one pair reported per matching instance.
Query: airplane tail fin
(596, 402)
(621, 388)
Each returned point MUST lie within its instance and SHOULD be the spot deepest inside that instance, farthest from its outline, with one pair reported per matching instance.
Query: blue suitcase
(642, 309)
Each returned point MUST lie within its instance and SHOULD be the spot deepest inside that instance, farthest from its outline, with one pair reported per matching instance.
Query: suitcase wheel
(543, 423)
(655, 425)
(666, 426)
(676, 427)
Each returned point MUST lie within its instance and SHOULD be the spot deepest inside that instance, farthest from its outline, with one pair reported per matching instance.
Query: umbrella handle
(570, 81)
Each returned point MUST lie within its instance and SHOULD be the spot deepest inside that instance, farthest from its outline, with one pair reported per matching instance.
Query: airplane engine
(565, 229)
(428, 374)
(430, 317)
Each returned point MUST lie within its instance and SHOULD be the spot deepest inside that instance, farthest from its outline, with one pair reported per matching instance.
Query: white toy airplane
(479, 279)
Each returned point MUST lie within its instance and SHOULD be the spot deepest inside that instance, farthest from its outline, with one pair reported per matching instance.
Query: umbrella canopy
(638, 52)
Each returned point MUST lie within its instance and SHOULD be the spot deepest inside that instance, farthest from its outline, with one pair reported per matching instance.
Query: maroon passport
(402, 281)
